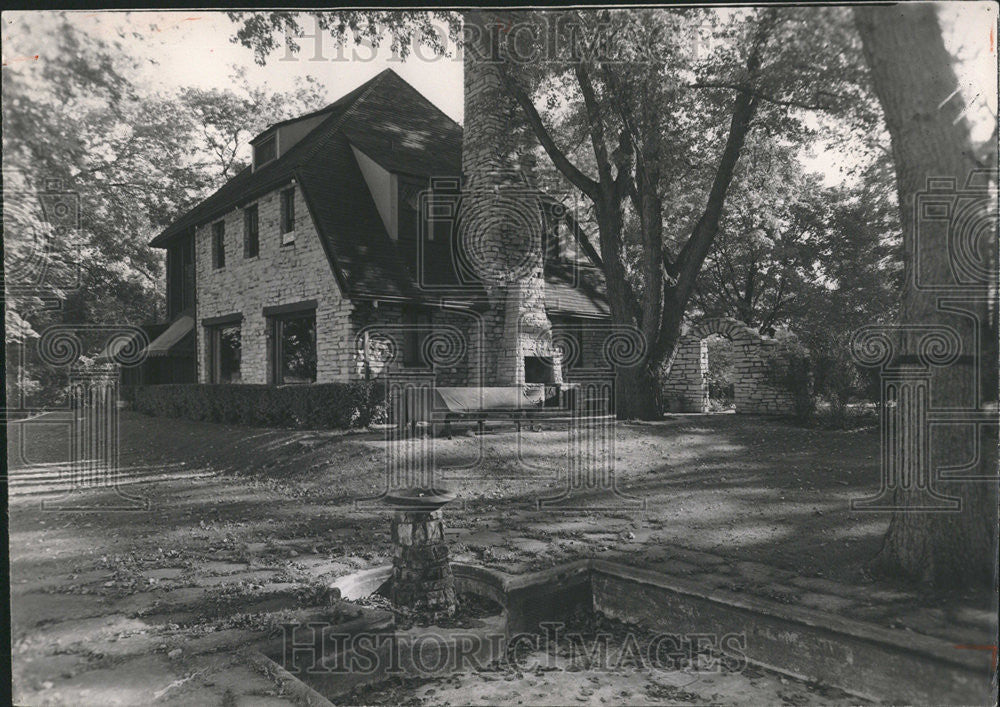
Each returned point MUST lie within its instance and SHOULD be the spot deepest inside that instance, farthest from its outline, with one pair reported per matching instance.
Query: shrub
(789, 367)
(321, 405)
(856, 416)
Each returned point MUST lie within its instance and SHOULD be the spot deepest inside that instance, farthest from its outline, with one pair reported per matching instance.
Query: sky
(193, 48)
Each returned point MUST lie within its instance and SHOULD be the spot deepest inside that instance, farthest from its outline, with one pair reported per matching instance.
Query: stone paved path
(151, 607)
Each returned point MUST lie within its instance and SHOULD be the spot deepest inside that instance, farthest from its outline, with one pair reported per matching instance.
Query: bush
(790, 367)
(856, 416)
(321, 405)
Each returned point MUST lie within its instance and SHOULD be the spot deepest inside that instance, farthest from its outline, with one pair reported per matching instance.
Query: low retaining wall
(871, 662)
(884, 665)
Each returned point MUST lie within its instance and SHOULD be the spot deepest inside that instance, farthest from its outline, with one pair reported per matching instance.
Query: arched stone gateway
(686, 385)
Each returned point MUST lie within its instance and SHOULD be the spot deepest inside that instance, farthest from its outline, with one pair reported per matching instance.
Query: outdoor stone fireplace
(539, 369)
(502, 220)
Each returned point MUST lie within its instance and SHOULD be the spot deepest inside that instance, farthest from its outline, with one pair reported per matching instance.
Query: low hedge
(320, 405)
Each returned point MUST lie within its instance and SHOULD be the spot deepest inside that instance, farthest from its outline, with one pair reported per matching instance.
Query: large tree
(76, 134)
(916, 85)
(666, 125)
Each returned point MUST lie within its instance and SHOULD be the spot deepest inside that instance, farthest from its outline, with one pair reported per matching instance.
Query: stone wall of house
(450, 350)
(686, 386)
(594, 337)
(465, 367)
(282, 275)
(279, 275)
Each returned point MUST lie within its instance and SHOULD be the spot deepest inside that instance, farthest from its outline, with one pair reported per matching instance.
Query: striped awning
(161, 345)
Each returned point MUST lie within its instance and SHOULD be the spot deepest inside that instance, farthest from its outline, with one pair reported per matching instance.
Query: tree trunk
(916, 85)
(637, 394)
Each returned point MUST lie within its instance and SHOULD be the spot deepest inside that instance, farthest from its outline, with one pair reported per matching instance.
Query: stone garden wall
(686, 386)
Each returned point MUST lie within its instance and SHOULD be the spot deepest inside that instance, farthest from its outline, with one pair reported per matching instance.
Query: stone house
(345, 226)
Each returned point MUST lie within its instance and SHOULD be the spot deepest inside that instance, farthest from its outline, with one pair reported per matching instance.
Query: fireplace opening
(539, 369)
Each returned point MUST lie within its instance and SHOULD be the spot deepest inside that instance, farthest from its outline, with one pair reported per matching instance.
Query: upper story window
(219, 244)
(265, 151)
(251, 232)
(180, 276)
(288, 216)
(550, 245)
(553, 241)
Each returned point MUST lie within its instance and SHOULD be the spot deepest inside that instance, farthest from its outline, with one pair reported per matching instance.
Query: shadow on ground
(245, 525)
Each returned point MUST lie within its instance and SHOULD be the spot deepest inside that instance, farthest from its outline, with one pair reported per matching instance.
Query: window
(551, 243)
(575, 332)
(293, 348)
(251, 232)
(288, 216)
(265, 151)
(219, 245)
(223, 353)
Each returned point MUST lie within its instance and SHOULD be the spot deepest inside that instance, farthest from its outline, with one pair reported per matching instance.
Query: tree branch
(595, 123)
(582, 239)
(580, 180)
(815, 105)
(696, 248)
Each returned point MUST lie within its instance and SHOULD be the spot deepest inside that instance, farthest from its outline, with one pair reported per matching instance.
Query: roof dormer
(265, 148)
(383, 186)
(281, 137)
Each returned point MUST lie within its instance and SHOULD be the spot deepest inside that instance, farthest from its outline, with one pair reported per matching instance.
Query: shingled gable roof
(393, 124)
(397, 127)
(249, 184)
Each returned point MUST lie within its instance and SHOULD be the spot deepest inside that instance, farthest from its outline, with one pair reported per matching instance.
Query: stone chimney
(501, 218)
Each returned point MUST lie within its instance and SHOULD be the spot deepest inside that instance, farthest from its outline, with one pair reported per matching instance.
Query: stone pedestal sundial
(421, 573)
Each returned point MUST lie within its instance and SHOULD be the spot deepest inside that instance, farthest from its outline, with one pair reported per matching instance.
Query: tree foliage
(128, 159)
(667, 126)
(226, 119)
(763, 256)
(819, 261)
(266, 32)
